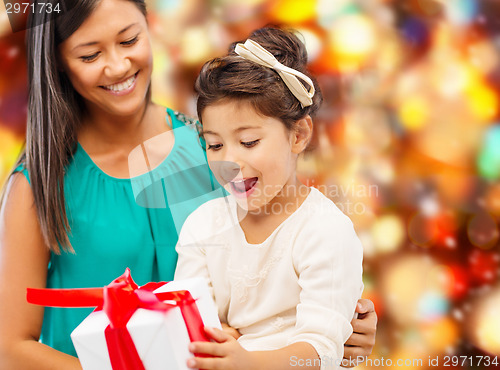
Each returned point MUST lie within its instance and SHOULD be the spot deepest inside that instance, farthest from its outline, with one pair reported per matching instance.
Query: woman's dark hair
(237, 79)
(55, 111)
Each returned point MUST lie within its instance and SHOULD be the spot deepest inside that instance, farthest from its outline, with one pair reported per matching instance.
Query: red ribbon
(119, 300)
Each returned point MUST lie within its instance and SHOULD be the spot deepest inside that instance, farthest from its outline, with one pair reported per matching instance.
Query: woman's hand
(227, 352)
(360, 344)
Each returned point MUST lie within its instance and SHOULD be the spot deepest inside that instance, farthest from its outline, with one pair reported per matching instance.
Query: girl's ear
(301, 134)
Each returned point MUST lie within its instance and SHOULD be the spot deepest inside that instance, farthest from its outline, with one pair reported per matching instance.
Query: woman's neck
(103, 131)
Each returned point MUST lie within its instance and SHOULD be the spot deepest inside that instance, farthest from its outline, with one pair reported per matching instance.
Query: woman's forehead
(109, 19)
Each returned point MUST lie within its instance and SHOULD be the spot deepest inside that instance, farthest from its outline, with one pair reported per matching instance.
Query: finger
(359, 340)
(217, 334)
(206, 363)
(355, 354)
(367, 325)
(207, 348)
(364, 306)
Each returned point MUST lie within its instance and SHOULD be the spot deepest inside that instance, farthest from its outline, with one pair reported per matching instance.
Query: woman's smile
(123, 87)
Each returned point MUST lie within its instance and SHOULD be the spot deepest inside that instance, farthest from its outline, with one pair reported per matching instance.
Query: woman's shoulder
(21, 169)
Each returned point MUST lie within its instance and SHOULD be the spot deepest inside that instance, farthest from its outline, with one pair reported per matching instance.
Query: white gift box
(161, 338)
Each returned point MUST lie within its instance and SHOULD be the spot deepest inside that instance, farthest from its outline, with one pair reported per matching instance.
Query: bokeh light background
(407, 144)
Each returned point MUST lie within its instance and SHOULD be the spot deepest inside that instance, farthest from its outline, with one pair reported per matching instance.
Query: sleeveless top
(117, 223)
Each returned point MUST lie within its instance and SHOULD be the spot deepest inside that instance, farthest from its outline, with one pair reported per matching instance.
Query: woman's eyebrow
(95, 42)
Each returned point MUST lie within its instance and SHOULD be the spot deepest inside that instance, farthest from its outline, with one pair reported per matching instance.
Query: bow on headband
(251, 50)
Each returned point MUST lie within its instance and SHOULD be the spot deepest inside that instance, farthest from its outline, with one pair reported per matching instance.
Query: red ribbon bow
(119, 300)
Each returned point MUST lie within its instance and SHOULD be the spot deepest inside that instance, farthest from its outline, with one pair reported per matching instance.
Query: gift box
(134, 327)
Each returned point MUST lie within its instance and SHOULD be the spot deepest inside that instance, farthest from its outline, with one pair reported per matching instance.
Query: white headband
(253, 51)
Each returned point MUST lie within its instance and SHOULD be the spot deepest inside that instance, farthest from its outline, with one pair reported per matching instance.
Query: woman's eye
(131, 41)
(214, 146)
(89, 58)
(249, 144)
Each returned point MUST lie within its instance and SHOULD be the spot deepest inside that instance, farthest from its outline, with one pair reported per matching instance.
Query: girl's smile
(243, 188)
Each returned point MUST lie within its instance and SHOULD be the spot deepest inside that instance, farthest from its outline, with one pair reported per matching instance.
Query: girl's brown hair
(55, 111)
(234, 78)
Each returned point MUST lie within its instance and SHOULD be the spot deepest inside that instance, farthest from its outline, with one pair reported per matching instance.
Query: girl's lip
(125, 91)
(246, 194)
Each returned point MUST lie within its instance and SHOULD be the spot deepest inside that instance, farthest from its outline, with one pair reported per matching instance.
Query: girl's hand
(231, 331)
(227, 352)
(360, 344)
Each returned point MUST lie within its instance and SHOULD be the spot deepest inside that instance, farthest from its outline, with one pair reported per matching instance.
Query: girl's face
(108, 59)
(253, 156)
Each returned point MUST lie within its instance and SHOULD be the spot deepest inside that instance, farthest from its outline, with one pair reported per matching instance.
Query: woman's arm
(24, 258)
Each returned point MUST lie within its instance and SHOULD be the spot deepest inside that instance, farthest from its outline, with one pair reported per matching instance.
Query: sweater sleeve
(327, 258)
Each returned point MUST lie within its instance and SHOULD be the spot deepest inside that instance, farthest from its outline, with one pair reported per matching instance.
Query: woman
(71, 216)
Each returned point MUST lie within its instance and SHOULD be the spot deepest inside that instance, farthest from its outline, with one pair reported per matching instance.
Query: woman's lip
(125, 91)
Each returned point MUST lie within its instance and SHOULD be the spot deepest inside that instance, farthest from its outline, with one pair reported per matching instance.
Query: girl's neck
(260, 224)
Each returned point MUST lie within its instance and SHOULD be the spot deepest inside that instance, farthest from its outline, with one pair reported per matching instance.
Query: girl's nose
(226, 170)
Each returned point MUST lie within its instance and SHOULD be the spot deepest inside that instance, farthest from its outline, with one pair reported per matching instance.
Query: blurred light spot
(492, 199)
(195, 45)
(482, 230)
(432, 306)
(483, 266)
(405, 281)
(483, 101)
(421, 231)
(484, 328)
(312, 42)
(441, 335)
(352, 40)
(388, 233)
(294, 11)
(461, 12)
(414, 112)
(488, 161)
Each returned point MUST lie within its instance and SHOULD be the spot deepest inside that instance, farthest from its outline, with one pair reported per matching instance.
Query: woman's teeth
(122, 86)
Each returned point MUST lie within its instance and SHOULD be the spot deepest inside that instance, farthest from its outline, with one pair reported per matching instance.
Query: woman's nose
(118, 66)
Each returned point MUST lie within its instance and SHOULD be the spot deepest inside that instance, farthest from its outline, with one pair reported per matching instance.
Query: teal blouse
(118, 223)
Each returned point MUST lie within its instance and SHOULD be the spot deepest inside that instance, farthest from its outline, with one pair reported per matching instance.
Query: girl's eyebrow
(204, 132)
(95, 42)
(242, 128)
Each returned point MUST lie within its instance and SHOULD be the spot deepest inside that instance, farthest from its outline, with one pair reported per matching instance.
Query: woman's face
(109, 60)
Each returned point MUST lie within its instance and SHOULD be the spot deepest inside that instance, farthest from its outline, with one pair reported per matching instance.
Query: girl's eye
(131, 41)
(214, 146)
(89, 58)
(250, 144)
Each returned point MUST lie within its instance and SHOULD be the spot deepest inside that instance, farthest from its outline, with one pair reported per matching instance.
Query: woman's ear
(301, 134)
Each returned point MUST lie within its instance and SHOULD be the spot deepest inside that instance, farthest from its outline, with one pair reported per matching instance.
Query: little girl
(283, 262)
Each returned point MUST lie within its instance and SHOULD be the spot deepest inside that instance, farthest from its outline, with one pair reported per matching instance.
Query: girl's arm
(229, 354)
(24, 258)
